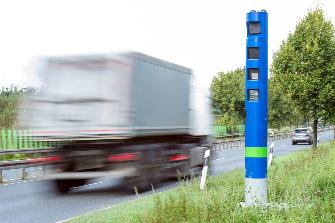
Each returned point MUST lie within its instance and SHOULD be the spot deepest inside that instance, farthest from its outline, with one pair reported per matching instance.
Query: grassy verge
(15, 157)
(305, 181)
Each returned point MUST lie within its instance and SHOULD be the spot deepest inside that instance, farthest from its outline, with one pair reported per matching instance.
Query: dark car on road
(302, 135)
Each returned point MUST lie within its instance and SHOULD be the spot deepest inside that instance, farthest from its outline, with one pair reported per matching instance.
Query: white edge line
(113, 206)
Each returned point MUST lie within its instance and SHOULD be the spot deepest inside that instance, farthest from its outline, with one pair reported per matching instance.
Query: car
(302, 135)
(271, 132)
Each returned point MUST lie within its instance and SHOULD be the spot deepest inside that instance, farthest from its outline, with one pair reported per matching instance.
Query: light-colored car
(302, 135)
(271, 132)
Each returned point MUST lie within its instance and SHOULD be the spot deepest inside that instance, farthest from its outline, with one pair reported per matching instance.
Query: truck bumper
(92, 174)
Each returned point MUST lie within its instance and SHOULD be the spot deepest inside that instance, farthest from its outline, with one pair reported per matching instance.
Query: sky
(206, 36)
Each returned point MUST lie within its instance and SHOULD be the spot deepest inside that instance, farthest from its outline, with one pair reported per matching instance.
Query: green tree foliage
(282, 111)
(8, 106)
(9, 100)
(304, 66)
(227, 91)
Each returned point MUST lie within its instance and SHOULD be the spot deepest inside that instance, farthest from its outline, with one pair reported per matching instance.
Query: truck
(127, 115)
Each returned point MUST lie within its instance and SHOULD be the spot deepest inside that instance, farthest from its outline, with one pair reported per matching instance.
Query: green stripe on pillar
(257, 152)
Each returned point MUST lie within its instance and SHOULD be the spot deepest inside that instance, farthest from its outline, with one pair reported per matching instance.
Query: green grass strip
(291, 198)
(256, 152)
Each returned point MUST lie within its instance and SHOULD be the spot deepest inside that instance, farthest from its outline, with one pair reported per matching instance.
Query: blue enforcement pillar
(256, 105)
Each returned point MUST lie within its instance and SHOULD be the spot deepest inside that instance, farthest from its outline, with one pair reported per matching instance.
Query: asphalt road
(34, 202)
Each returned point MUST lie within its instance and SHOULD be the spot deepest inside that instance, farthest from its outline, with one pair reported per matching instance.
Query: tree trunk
(315, 132)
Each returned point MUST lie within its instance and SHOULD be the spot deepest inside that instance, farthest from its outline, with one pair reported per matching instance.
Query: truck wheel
(142, 181)
(63, 186)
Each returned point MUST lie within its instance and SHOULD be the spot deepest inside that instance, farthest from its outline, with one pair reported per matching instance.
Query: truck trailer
(125, 115)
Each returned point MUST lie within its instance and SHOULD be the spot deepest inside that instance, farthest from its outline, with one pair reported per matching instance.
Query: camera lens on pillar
(254, 28)
(253, 94)
(253, 74)
(253, 52)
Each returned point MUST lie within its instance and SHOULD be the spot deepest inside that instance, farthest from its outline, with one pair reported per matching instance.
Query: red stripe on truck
(49, 159)
(123, 157)
(179, 157)
(48, 132)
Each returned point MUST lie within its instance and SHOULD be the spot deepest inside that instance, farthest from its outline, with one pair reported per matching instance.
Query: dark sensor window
(253, 52)
(253, 74)
(253, 94)
(254, 28)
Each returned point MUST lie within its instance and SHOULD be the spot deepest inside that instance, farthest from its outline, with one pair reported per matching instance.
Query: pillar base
(255, 192)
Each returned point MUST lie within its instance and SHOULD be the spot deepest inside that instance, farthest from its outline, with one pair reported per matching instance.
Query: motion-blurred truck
(125, 115)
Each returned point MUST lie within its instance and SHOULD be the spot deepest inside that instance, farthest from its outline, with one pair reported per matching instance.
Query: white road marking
(218, 159)
(88, 185)
(16, 181)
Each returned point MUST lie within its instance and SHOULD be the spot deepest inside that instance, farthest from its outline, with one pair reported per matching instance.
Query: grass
(15, 157)
(305, 181)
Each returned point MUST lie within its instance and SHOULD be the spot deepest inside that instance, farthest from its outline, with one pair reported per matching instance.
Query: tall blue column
(256, 105)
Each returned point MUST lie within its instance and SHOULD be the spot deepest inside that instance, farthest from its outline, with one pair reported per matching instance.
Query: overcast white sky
(207, 36)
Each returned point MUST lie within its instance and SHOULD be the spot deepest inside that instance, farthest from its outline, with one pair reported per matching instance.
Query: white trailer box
(108, 96)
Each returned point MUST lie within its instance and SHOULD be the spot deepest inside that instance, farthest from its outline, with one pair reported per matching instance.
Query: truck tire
(64, 186)
(143, 181)
(148, 172)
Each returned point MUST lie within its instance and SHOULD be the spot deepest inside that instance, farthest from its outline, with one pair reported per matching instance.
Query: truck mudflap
(129, 171)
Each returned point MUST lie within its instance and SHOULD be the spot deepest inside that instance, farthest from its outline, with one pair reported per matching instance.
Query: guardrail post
(24, 173)
(271, 155)
(204, 169)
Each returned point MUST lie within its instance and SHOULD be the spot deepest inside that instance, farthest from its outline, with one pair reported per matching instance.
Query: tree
(280, 108)
(9, 103)
(305, 67)
(227, 90)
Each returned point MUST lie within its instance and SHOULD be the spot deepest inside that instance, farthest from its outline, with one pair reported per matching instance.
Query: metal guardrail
(25, 151)
(21, 164)
(228, 144)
